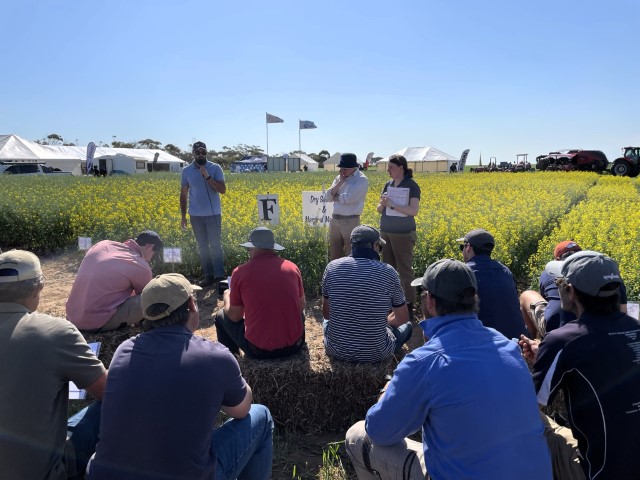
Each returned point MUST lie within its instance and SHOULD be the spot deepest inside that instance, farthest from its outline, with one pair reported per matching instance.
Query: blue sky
(499, 77)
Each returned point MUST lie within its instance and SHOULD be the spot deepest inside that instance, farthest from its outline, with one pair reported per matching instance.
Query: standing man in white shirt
(348, 192)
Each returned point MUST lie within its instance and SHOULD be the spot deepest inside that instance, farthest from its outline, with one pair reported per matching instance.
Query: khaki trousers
(563, 449)
(340, 236)
(129, 313)
(404, 461)
(398, 252)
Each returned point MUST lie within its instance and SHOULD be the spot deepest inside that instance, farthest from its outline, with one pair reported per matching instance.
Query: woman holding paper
(399, 204)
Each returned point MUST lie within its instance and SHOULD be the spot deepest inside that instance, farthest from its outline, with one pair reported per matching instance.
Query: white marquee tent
(422, 159)
(73, 159)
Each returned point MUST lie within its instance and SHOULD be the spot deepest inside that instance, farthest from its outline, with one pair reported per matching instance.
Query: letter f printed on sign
(269, 209)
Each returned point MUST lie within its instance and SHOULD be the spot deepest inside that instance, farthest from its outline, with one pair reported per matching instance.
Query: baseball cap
(565, 248)
(592, 273)
(198, 146)
(478, 238)
(149, 236)
(450, 280)
(19, 265)
(171, 289)
(262, 237)
(366, 234)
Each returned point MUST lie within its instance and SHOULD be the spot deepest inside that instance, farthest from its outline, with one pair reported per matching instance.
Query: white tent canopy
(311, 164)
(70, 158)
(422, 159)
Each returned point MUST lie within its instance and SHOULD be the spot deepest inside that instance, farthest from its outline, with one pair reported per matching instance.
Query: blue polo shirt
(203, 200)
(164, 390)
(471, 392)
(499, 304)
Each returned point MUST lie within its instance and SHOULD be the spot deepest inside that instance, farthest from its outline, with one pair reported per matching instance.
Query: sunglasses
(462, 245)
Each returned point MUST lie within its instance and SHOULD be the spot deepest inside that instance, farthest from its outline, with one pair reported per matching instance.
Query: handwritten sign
(315, 211)
(172, 255)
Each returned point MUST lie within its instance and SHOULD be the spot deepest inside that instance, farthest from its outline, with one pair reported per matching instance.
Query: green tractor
(628, 165)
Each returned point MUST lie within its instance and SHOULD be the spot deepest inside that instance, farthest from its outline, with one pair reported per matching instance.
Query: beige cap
(18, 265)
(171, 289)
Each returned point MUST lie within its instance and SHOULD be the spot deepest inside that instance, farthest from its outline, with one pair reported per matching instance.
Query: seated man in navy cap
(499, 305)
(263, 312)
(166, 389)
(469, 390)
(347, 192)
(364, 309)
(106, 292)
(594, 361)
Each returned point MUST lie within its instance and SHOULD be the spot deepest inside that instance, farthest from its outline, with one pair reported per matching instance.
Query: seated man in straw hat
(166, 390)
(469, 390)
(39, 355)
(263, 312)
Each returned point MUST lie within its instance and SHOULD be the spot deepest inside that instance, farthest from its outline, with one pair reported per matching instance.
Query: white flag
(274, 119)
(306, 124)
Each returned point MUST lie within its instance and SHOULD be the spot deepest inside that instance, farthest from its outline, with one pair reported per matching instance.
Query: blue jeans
(208, 233)
(82, 437)
(402, 333)
(244, 448)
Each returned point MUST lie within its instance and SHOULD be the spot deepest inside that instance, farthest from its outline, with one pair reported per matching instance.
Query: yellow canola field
(43, 214)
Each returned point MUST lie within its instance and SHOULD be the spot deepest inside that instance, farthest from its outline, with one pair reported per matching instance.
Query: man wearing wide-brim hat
(594, 360)
(467, 387)
(263, 312)
(347, 192)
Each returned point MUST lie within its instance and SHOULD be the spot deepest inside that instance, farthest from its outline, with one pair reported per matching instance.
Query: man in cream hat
(467, 387)
(165, 392)
(39, 355)
(263, 313)
(594, 361)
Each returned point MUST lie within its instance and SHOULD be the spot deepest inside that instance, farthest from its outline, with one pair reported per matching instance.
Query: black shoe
(218, 279)
(207, 281)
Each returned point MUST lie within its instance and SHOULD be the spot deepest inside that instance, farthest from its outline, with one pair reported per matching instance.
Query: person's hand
(183, 223)
(384, 199)
(529, 347)
(203, 171)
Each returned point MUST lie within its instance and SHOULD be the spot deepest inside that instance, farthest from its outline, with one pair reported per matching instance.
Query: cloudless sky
(500, 77)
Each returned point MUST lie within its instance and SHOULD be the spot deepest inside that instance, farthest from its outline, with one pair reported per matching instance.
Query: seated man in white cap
(106, 292)
(363, 305)
(469, 390)
(593, 360)
(39, 355)
(165, 392)
(263, 312)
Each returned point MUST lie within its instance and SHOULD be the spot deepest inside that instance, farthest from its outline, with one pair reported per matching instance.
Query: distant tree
(54, 139)
(375, 160)
(71, 144)
(172, 149)
(324, 153)
(149, 143)
(118, 144)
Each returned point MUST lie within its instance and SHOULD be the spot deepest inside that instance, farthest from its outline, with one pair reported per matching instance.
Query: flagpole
(299, 144)
(267, 123)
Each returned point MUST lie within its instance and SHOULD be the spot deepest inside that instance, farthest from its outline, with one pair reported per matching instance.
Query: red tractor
(627, 165)
(576, 159)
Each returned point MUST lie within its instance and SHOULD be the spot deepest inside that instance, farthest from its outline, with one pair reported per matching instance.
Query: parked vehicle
(627, 165)
(574, 159)
(24, 168)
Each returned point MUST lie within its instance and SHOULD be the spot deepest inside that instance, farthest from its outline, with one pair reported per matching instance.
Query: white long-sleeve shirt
(349, 199)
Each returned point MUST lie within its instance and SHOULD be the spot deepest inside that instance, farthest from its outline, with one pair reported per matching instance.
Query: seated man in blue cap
(363, 304)
(263, 312)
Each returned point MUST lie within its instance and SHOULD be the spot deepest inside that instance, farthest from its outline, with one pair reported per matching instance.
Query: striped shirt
(361, 292)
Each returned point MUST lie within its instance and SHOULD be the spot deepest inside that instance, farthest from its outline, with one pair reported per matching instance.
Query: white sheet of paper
(76, 393)
(400, 196)
(633, 310)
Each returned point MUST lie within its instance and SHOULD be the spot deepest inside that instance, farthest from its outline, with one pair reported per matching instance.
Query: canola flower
(525, 212)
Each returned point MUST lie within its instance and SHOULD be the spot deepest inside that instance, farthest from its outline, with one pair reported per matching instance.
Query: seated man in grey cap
(467, 387)
(347, 192)
(263, 312)
(106, 292)
(364, 309)
(166, 389)
(39, 356)
(594, 361)
(499, 303)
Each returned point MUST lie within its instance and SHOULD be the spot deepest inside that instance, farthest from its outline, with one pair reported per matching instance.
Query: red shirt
(269, 289)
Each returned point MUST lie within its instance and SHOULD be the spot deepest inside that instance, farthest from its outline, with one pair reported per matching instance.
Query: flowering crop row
(526, 213)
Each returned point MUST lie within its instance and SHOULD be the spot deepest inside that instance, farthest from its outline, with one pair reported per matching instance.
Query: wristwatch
(535, 304)
(207, 178)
